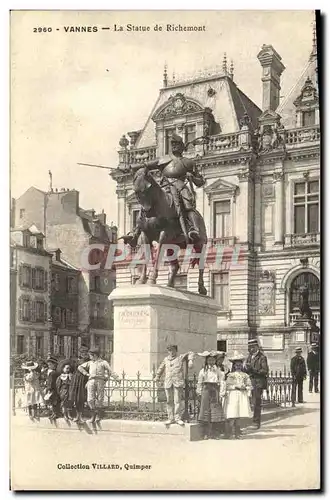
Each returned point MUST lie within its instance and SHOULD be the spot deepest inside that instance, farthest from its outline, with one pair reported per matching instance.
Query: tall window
(181, 282)
(26, 279)
(306, 207)
(308, 118)
(63, 318)
(74, 347)
(100, 342)
(190, 135)
(135, 214)
(313, 285)
(61, 345)
(168, 135)
(26, 239)
(20, 344)
(21, 213)
(57, 282)
(39, 279)
(222, 222)
(25, 309)
(97, 283)
(222, 345)
(40, 311)
(220, 289)
(39, 345)
(40, 244)
(97, 309)
(71, 284)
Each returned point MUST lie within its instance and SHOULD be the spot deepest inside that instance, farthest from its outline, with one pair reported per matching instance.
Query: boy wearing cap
(257, 368)
(174, 382)
(299, 373)
(98, 371)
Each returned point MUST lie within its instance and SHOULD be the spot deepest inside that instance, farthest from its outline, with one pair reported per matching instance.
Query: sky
(73, 95)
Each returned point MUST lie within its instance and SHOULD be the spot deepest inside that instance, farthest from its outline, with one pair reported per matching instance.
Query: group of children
(224, 394)
(67, 387)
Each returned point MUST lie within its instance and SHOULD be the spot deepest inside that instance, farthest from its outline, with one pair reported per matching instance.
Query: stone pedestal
(303, 333)
(148, 318)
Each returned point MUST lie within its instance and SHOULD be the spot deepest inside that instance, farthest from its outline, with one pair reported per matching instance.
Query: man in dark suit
(299, 373)
(256, 367)
(313, 365)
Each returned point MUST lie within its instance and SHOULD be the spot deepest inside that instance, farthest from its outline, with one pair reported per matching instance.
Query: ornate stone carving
(278, 176)
(211, 92)
(177, 105)
(304, 262)
(266, 293)
(308, 96)
(244, 175)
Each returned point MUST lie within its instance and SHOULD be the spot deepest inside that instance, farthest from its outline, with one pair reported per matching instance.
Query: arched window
(313, 284)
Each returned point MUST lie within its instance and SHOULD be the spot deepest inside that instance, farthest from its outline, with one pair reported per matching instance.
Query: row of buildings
(262, 192)
(57, 305)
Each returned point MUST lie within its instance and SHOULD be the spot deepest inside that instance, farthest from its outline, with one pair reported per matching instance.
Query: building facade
(262, 195)
(73, 230)
(30, 293)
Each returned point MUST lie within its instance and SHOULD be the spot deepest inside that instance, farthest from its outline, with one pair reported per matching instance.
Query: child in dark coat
(63, 383)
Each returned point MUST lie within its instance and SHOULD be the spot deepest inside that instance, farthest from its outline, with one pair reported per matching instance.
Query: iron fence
(142, 398)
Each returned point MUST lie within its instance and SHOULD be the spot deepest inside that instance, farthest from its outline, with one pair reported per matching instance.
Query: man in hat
(178, 176)
(257, 367)
(98, 371)
(313, 365)
(174, 382)
(298, 373)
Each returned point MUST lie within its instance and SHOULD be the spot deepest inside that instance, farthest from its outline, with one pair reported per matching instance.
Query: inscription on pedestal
(130, 318)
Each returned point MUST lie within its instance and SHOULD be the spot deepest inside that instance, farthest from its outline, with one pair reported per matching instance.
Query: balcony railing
(296, 315)
(301, 136)
(302, 240)
(141, 155)
(222, 142)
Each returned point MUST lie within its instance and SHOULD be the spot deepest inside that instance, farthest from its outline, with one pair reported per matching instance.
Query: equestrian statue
(168, 212)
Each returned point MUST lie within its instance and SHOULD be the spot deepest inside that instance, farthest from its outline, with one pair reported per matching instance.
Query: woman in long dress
(211, 388)
(32, 389)
(237, 399)
(78, 391)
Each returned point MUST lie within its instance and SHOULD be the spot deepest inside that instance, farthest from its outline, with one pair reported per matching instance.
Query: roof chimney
(272, 68)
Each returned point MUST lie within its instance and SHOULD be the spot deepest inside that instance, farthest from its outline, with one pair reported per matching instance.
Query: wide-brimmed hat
(237, 356)
(29, 365)
(314, 344)
(211, 354)
(51, 359)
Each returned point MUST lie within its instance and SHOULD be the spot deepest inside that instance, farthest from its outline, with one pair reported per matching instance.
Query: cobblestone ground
(283, 454)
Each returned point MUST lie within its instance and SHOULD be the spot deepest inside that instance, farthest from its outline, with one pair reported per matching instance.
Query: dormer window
(40, 243)
(307, 106)
(26, 239)
(308, 118)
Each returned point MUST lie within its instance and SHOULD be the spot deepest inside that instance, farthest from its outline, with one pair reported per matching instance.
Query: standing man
(313, 365)
(299, 373)
(98, 371)
(174, 382)
(257, 367)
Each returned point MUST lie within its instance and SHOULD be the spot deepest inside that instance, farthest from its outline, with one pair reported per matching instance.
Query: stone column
(121, 209)
(279, 207)
(257, 211)
(243, 218)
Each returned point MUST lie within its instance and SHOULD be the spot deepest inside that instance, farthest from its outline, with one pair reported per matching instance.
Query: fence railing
(140, 398)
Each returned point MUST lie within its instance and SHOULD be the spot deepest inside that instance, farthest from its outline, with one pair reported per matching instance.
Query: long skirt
(211, 409)
(237, 405)
(78, 391)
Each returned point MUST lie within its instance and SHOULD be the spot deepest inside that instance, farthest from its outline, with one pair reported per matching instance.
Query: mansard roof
(219, 94)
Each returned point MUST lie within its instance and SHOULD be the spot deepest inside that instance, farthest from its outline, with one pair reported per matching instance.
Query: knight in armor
(179, 174)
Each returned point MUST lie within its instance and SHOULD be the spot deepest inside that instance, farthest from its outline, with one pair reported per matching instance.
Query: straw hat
(237, 356)
(29, 365)
(212, 354)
